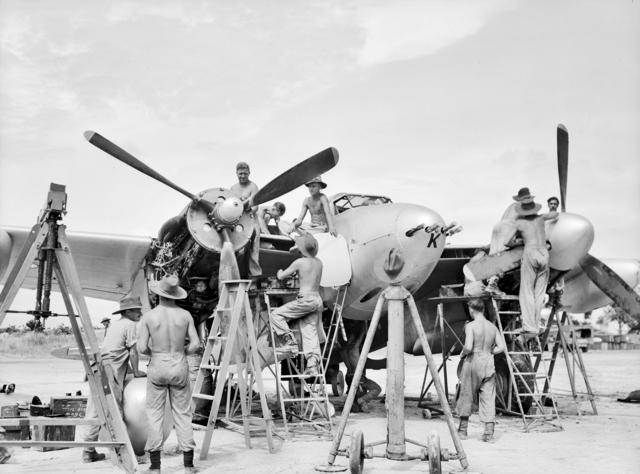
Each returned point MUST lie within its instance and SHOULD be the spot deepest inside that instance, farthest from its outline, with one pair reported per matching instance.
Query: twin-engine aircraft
(382, 243)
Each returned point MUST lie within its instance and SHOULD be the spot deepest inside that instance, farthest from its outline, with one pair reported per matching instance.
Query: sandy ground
(605, 443)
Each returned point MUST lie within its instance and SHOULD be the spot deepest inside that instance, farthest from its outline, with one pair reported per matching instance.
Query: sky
(451, 105)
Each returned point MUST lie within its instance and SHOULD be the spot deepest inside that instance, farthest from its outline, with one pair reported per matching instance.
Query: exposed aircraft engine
(571, 237)
(5, 251)
(135, 416)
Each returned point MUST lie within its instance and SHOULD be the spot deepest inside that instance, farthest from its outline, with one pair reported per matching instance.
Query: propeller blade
(114, 150)
(228, 269)
(612, 285)
(563, 163)
(297, 176)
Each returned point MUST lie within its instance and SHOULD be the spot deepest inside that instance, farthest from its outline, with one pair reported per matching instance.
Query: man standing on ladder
(477, 380)
(163, 334)
(118, 350)
(534, 268)
(307, 307)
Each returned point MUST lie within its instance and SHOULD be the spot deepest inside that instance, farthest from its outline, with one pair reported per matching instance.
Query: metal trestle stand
(396, 297)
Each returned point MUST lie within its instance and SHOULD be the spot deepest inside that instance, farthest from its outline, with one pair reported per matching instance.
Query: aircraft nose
(571, 237)
(418, 242)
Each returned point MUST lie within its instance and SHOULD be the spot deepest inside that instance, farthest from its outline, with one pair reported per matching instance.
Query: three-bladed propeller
(287, 181)
(604, 278)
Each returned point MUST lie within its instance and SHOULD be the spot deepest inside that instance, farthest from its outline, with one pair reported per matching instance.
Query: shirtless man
(318, 206)
(266, 214)
(307, 307)
(477, 380)
(163, 334)
(504, 231)
(245, 189)
(534, 268)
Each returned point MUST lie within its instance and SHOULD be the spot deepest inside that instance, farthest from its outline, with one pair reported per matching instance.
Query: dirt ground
(605, 443)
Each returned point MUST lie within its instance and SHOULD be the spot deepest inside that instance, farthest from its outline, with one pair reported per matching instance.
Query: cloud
(398, 31)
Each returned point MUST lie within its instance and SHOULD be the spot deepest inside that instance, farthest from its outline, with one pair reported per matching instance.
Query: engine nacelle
(571, 237)
(5, 251)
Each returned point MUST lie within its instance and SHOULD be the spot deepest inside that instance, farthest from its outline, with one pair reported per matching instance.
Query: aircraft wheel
(337, 385)
(426, 414)
(433, 451)
(356, 453)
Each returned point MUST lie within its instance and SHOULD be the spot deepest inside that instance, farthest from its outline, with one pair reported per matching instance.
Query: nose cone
(571, 237)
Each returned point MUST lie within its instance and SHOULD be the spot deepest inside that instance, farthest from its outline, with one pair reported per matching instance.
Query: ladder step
(218, 338)
(512, 332)
(210, 366)
(525, 352)
(303, 399)
(223, 309)
(203, 396)
(509, 312)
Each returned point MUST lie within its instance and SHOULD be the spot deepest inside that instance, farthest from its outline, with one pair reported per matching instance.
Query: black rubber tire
(433, 451)
(523, 362)
(356, 453)
(337, 385)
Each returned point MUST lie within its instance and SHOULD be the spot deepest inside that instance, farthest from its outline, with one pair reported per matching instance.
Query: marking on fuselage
(433, 240)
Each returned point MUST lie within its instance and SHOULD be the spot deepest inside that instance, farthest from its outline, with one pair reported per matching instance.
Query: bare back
(309, 272)
(532, 231)
(484, 335)
(168, 328)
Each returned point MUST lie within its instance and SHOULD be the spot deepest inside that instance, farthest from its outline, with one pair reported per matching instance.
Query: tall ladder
(572, 355)
(304, 401)
(226, 343)
(48, 242)
(524, 377)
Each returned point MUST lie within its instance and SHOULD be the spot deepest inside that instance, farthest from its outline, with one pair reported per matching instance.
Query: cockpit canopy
(343, 201)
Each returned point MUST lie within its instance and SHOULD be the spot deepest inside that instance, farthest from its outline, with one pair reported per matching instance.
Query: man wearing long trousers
(477, 379)
(118, 350)
(163, 335)
(307, 307)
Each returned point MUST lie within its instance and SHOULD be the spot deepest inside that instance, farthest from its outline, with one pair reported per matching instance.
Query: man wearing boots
(167, 334)
(307, 307)
(118, 350)
(477, 380)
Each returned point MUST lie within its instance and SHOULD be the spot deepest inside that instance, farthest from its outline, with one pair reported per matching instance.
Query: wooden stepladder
(226, 344)
(304, 400)
(48, 242)
(535, 406)
(572, 355)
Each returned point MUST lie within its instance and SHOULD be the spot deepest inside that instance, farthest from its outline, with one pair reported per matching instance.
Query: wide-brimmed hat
(129, 302)
(307, 244)
(527, 208)
(523, 195)
(317, 179)
(168, 287)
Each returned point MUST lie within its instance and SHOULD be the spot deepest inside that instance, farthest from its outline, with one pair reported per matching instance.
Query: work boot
(492, 288)
(91, 455)
(462, 428)
(488, 432)
(290, 344)
(191, 470)
(312, 367)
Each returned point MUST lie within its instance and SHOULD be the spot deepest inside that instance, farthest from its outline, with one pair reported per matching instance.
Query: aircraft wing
(107, 264)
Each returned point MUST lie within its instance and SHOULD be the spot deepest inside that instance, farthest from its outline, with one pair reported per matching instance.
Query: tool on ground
(397, 297)
(48, 243)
